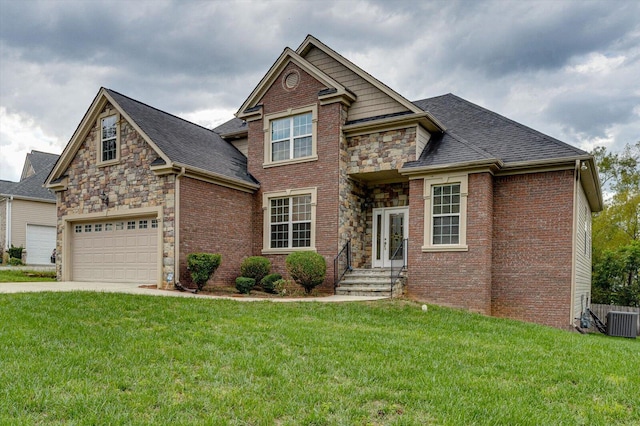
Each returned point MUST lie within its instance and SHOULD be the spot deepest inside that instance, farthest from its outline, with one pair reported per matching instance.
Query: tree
(616, 230)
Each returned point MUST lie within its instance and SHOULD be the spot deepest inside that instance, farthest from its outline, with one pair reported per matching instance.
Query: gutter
(8, 221)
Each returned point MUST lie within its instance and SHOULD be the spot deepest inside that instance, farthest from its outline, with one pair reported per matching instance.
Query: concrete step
(369, 282)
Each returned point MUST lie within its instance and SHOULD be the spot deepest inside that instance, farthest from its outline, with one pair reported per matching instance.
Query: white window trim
(445, 179)
(99, 138)
(266, 230)
(313, 109)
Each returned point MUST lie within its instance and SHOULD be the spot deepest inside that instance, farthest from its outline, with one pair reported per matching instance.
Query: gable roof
(31, 187)
(488, 135)
(36, 161)
(179, 143)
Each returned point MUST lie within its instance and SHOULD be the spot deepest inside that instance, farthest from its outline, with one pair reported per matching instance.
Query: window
(131, 224)
(119, 226)
(446, 214)
(289, 220)
(87, 228)
(78, 229)
(98, 227)
(290, 136)
(108, 226)
(154, 223)
(445, 207)
(108, 137)
(142, 224)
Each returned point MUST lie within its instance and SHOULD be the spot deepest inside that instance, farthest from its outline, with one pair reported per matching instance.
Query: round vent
(291, 80)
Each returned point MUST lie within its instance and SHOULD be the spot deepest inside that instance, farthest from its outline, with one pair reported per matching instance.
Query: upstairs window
(290, 136)
(108, 140)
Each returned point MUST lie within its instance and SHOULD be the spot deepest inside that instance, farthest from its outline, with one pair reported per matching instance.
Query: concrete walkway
(32, 287)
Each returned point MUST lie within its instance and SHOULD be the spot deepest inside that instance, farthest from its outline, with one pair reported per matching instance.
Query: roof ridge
(520, 125)
(159, 110)
(470, 145)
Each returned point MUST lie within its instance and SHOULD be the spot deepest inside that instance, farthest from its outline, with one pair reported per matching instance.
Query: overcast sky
(570, 69)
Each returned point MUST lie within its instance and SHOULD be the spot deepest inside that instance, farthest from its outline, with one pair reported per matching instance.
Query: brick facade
(459, 279)
(532, 247)
(214, 219)
(322, 173)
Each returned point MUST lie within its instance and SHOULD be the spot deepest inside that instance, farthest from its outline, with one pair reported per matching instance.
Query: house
(482, 212)
(28, 211)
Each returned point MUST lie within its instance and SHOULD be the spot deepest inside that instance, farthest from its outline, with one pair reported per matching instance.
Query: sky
(570, 69)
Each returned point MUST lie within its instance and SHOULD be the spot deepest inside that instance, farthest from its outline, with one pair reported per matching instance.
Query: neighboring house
(28, 210)
(496, 215)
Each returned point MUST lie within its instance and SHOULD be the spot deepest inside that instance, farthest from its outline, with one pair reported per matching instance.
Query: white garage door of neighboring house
(124, 250)
(41, 240)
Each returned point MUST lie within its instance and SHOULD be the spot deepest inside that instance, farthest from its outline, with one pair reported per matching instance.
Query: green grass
(23, 275)
(94, 358)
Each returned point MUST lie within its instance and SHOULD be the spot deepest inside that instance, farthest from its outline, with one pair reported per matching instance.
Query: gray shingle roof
(185, 142)
(235, 125)
(32, 187)
(475, 133)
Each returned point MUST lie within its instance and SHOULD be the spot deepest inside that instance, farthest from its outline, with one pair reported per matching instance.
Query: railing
(401, 248)
(345, 256)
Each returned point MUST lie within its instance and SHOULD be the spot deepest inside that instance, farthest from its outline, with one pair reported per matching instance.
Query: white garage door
(124, 250)
(41, 240)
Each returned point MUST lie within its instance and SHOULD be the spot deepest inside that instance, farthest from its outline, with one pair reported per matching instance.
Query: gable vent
(622, 324)
(291, 80)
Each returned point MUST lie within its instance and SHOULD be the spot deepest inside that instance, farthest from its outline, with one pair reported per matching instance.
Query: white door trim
(380, 250)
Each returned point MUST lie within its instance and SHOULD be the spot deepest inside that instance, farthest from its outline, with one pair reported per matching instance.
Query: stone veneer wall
(387, 150)
(130, 184)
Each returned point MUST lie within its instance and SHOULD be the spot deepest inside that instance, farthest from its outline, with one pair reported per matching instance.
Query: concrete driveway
(132, 288)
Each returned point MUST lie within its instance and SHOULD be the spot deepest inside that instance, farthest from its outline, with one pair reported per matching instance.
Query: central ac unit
(622, 324)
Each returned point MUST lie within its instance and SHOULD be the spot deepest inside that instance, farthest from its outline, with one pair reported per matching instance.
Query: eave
(204, 175)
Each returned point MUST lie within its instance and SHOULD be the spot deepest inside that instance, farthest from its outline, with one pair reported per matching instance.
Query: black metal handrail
(345, 253)
(403, 246)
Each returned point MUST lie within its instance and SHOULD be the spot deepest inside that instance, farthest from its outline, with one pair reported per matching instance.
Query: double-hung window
(289, 220)
(291, 137)
(108, 134)
(446, 214)
(108, 137)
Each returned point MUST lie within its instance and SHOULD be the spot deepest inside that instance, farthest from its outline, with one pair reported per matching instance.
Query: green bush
(14, 261)
(267, 282)
(15, 252)
(256, 267)
(307, 268)
(202, 266)
(245, 284)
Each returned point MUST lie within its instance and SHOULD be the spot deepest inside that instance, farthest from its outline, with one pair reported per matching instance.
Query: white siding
(371, 101)
(582, 254)
(242, 145)
(422, 140)
(29, 212)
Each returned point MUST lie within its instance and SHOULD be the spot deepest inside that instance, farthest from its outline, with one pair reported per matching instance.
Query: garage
(41, 240)
(123, 250)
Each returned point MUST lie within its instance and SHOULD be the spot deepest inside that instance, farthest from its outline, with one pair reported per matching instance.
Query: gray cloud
(189, 56)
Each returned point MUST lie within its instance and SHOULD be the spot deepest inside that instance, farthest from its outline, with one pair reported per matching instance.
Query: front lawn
(97, 358)
(23, 275)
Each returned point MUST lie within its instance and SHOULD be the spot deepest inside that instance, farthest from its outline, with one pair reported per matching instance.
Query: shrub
(15, 252)
(201, 266)
(245, 284)
(14, 261)
(256, 267)
(307, 268)
(289, 288)
(267, 282)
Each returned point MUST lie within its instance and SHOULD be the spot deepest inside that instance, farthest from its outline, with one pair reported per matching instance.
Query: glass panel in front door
(396, 235)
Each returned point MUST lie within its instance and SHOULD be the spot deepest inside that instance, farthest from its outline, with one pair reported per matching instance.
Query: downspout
(7, 216)
(176, 227)
(574, 242)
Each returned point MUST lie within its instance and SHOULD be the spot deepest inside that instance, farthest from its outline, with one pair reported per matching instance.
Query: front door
(390, 229)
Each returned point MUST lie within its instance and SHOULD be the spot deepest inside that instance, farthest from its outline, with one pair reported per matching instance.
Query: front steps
(370, 282)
